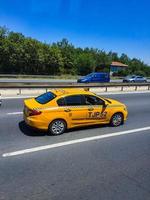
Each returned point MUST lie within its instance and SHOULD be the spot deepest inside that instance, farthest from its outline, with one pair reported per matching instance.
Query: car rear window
(45, 98)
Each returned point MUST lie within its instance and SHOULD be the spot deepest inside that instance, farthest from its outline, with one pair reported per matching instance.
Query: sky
(121, 26)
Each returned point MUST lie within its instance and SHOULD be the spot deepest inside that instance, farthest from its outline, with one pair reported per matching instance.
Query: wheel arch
(59, 118)
(117, 112)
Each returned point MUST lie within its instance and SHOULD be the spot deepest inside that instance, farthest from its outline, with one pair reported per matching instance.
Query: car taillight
(34, 112)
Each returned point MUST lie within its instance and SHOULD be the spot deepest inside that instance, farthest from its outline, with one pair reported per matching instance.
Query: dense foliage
(24, 55)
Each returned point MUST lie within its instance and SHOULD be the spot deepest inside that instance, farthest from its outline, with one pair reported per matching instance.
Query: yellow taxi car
(61, 109)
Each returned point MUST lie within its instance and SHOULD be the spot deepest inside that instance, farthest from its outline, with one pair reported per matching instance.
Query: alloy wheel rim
(117, 119)
(58, 127)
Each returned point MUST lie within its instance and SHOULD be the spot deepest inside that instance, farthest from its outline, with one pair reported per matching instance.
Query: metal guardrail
(15, 89)
(8, 85)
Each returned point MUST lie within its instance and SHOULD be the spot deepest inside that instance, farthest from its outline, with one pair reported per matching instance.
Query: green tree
(85, 63)
(67, 51)
(25, 55)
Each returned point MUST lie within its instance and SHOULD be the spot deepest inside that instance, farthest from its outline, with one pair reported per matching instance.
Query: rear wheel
(117, 119)
(57, 127)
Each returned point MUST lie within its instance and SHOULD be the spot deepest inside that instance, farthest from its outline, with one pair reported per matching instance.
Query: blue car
(95, 77)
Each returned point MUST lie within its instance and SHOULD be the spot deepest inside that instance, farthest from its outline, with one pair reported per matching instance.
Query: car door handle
(67, 110)
(90, 109)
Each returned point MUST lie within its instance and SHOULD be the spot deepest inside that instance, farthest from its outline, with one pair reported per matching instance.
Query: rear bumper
(82, 81)
(35, 123)
(125, 81)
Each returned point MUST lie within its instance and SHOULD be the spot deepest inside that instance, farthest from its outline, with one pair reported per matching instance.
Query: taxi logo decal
(97, 115)
(93, 116)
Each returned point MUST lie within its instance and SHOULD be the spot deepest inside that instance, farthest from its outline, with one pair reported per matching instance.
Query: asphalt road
(111, 168)
(40, 80)
(45, 80)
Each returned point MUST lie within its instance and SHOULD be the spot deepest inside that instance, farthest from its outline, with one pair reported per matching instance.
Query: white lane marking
(15, 113)
(51, 146)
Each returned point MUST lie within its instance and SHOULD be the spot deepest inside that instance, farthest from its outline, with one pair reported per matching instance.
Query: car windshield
(45, 98)
(89, 75)
(130, 76)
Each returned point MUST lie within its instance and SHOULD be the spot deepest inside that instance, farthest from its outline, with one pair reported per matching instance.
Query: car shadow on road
(26, 130)
(86, 128)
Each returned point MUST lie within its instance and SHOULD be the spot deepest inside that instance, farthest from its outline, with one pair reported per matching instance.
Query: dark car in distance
(95, 77)
(134, 79)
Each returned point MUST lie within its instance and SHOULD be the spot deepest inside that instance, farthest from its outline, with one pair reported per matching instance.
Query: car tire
(57, 127)
(117, 119)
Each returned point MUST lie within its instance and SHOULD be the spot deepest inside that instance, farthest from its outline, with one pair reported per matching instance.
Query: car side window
(61, 102)
(93, 100)
(73, 100)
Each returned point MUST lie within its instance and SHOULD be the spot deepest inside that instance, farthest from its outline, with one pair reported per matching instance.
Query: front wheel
(117, 119)
(57, 127)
